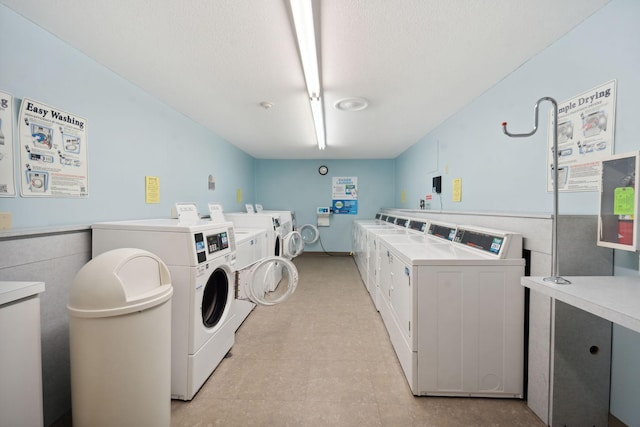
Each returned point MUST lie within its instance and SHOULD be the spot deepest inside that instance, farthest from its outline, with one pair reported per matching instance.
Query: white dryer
(200, 257)
(455, 312)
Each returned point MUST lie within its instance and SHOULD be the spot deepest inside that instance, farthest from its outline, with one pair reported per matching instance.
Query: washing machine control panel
(213, 244)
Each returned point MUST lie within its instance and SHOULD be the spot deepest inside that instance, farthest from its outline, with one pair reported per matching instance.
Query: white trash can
(120, 341)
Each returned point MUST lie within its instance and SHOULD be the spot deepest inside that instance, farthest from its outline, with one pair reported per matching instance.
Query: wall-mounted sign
(344, 195)
(53, 152)
(586, 125)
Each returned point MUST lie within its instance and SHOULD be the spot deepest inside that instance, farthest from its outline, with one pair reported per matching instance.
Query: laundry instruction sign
(53, 151)
(586, 125)
(344, 195)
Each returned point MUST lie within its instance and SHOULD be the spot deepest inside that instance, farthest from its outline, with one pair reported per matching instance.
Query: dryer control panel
(502, 245)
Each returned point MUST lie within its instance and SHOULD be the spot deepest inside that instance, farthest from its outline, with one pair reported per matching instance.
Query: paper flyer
(7, 176)
(586, 125)
(344, 195)
(53, 152)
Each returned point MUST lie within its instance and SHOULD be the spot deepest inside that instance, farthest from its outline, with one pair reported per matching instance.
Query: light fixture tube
(318, 121)
(302, 12)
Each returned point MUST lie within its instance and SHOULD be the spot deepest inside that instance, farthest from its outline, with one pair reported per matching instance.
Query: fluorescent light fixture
(318, 120)
(302, 12)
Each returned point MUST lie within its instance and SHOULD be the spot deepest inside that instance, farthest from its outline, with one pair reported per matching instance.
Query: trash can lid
(118, 282)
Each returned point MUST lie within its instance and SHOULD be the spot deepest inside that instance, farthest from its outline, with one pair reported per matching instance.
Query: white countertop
(12, 291)
(615, 298)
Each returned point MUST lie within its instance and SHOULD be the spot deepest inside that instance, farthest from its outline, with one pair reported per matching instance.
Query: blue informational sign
(345, 207)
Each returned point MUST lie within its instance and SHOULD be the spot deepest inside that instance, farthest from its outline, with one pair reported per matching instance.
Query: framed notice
(53, 152)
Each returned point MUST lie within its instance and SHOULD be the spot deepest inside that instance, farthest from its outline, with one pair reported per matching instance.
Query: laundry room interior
(421, 132)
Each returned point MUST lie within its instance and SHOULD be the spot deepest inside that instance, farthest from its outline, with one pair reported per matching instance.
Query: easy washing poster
(586, 126)
(53, 152)
(344, 195)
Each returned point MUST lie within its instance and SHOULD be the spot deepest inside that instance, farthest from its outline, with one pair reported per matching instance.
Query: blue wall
(503, 174)
(130, 135)
(296, 185)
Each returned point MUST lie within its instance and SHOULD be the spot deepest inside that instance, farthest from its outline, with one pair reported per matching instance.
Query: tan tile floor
(323, 358)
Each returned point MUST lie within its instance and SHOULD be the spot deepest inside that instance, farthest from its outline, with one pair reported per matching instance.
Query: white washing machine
(455, 312)
(266, 221)
(251, 246)
(200, 257)
(292, 242)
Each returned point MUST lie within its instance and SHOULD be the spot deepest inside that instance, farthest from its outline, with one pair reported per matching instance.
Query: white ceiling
(216, 60)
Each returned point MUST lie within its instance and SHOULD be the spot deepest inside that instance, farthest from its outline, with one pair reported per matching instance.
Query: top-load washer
(455, 313)
(200, 256)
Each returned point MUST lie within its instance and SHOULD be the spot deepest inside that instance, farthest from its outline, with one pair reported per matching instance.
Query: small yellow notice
(456, 194)
(403, 197)
(151, 189)
(623, 201)
(239, 195)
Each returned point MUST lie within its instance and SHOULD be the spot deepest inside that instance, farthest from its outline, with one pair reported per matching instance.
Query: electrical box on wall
(323, 216)
(436, 184)
(617, 225)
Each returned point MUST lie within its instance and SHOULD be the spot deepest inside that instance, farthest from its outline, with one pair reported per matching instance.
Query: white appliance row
(201, 257)
(451, 300)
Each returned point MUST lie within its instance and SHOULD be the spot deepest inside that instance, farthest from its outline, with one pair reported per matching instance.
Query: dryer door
(309, 233)
(255, 282)
(293, 245)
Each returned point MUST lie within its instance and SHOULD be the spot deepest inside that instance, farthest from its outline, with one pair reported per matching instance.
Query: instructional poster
(586, 126)
(7, 180)
(53, 152)
(345, 195)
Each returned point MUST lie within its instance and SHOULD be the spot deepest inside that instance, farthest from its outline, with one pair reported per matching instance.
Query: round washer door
(293, 245)
(255, 281)
(309, 233)
(216, 298)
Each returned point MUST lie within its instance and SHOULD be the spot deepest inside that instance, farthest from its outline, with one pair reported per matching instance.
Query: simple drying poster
(344, 195)
(53, 152)
(586, 125)
(7, 180)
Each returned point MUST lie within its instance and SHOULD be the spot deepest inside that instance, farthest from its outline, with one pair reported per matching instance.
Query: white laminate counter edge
(13, 291)
(615, 298)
